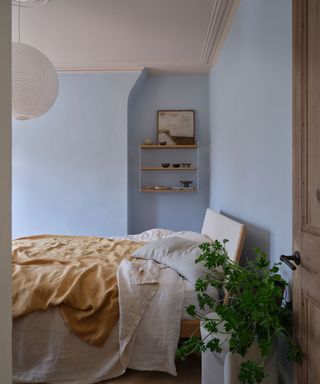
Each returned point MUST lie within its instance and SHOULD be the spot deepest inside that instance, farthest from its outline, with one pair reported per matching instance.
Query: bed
(151, 318)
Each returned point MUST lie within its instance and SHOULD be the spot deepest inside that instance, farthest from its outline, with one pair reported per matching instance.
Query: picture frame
(176, 127)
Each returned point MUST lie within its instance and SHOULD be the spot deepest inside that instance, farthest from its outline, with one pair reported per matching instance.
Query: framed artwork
(176, 127)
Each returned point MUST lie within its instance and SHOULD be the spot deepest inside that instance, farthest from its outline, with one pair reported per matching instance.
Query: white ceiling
(162, 35)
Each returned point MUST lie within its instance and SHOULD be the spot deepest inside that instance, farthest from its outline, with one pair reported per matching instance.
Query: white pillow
(192, 236)
(177, 253)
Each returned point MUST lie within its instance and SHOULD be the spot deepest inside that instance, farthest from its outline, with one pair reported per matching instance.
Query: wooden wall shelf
(148, 162)
(168, 190)
(158, 146)
(168, 169)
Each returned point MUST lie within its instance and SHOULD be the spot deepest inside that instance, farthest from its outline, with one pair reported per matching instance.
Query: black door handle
(295, 257)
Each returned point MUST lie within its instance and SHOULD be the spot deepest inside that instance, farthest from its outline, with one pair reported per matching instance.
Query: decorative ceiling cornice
(29, 3)
(222, 15)
(159, 69)
(119, 68)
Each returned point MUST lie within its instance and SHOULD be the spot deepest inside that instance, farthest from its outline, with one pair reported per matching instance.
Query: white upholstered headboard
(220, 227)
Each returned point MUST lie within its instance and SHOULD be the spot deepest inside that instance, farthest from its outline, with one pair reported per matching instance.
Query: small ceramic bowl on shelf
(176, 165)
(165, 165)
(186, 183)
(162, 142)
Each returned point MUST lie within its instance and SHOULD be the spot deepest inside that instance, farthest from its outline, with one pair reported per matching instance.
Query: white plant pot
(224, 367)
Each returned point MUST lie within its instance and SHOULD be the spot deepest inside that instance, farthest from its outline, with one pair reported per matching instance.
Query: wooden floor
(189, 372)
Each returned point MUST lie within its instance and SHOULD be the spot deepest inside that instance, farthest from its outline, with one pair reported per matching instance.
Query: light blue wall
(250, 118)
(176, 211)
(250, 115)
(70, 165)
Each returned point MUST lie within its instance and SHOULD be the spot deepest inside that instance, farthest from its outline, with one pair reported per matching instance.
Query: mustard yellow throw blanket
(76, 273)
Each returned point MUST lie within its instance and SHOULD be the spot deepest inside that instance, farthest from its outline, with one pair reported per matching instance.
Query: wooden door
(306, 185)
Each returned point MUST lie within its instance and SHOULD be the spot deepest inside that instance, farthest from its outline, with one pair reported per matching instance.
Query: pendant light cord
(19, 22)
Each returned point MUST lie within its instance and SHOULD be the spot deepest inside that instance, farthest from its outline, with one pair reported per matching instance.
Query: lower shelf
(168, 190)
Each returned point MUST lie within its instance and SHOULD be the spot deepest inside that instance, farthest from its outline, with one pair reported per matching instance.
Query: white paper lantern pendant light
(35, 82)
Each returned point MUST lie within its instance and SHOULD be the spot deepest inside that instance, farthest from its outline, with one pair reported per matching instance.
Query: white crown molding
(62, 69)
(29, 3)
(182, 69)
(154, 69)
(222, 15)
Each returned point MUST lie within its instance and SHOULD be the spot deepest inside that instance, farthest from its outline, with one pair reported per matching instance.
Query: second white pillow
(177, 253)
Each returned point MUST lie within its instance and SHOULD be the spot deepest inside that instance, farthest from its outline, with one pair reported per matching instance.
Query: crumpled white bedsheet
(149, 235)
(149, 335)
(145, 338)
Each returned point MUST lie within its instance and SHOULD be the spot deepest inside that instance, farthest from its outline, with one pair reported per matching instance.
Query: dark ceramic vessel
(186, 183)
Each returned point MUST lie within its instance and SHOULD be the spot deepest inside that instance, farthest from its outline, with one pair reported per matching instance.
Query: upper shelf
(168, 169)
(158, 146)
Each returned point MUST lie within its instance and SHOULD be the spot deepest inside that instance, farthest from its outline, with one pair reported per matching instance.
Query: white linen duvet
(145, 338)
(151, 301)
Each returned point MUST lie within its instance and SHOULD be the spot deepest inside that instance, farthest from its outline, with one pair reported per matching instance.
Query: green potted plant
(254, 311)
